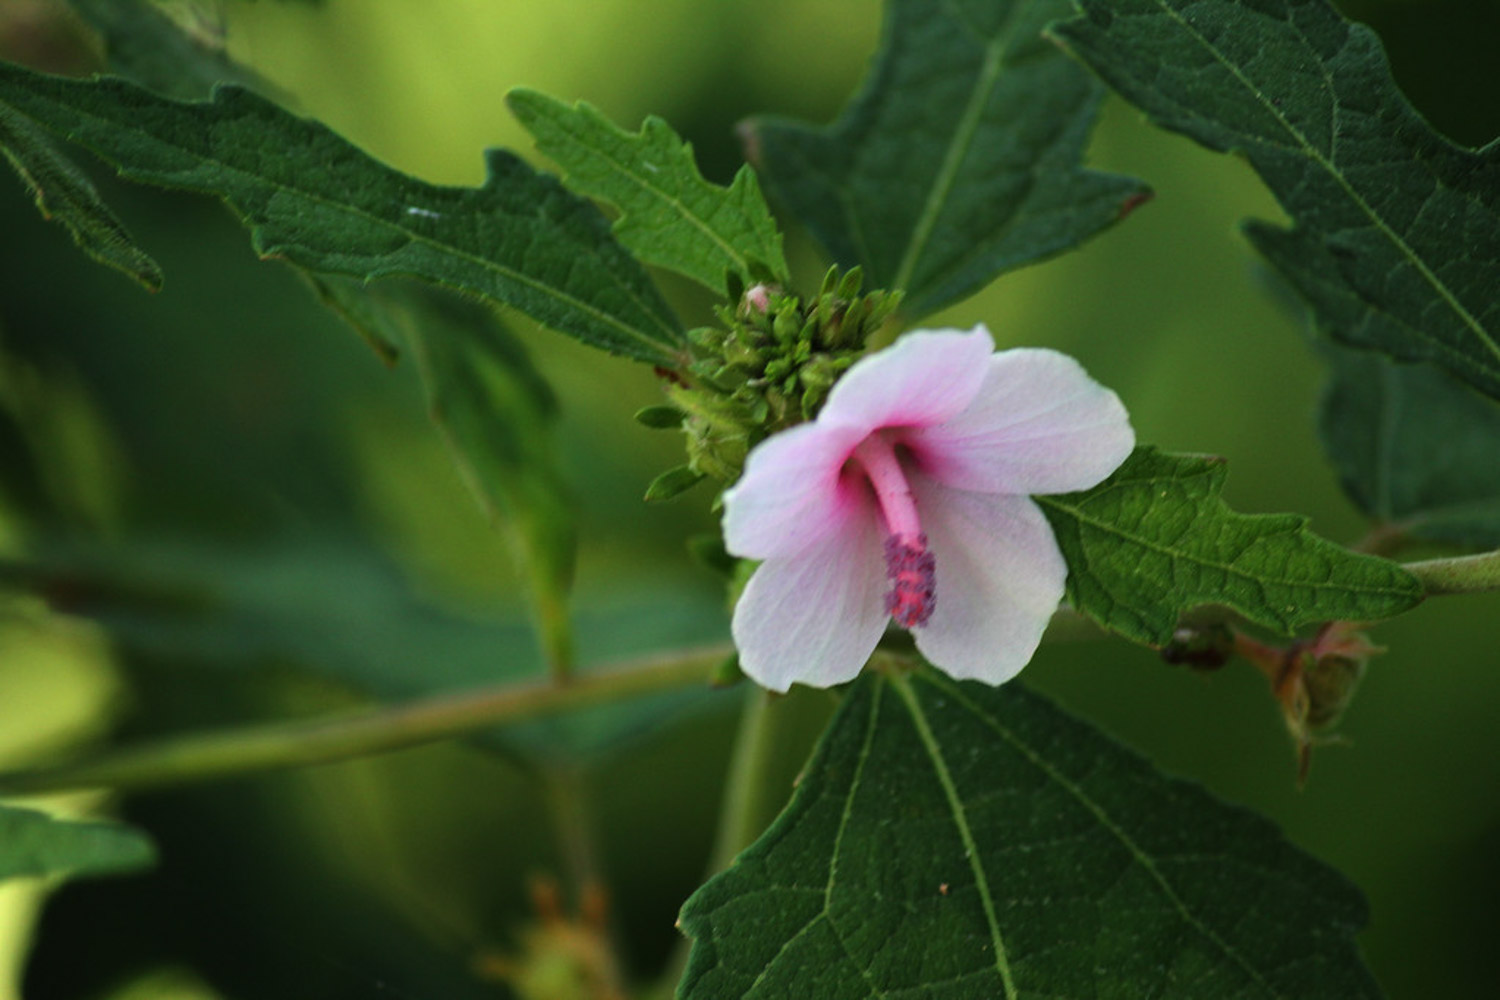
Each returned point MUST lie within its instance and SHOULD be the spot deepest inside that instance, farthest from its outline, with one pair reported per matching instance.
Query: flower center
(909, 565)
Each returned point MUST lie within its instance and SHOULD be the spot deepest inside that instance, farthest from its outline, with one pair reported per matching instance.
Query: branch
(187, 759)
(1459, 575)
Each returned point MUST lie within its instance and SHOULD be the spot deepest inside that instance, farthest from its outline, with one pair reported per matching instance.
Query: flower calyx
(768, 365)
(1313, 681)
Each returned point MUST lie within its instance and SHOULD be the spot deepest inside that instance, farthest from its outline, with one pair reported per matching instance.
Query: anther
(911, 569)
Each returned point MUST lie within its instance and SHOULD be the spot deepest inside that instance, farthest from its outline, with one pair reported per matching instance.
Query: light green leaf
(1154, 541)
(66, 196)
(313, 198)
(959, 841)
(671, 216)
(959, 158)
(1396, 241)
(1415, 448)
(34, 844)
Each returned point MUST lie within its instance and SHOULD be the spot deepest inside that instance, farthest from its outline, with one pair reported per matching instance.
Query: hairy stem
(1458, 575)
(294, 744)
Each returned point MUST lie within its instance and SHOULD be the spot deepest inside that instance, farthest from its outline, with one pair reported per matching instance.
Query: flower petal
(999, 579)
(1038, 424)
(924, 378)
(790, 495)
(815, 618)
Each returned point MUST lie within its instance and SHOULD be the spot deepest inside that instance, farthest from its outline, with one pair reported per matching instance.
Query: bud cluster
(769, 365)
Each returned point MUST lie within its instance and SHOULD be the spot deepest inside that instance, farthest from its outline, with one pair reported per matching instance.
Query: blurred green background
(230, 428)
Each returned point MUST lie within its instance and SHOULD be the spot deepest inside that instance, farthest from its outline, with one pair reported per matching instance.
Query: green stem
(296, 744)
(745, 808)
(752, 797)
(1459, 575)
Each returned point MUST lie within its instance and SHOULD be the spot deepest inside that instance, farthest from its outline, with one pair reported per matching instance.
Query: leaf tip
(1135, 200)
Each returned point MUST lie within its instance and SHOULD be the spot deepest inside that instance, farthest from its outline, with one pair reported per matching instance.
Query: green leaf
(1415, 448)
(1154, 541)
(959, 158)
(66, 196)
(145, 45)
(671, 216)
(1396, 242)
(311, 197)
(955, 840)
(34, 844)
(496, 413)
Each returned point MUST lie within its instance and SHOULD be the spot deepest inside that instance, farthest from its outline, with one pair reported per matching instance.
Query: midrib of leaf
(961, 821)
(1312, 152)
(676, 203)
(1116, 530)
(415, 237)
(1094, 809)
(963, 138)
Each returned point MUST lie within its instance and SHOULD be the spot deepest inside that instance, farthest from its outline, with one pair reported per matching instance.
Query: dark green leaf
(1154, 541)
(959, 841)
(958, 160)
(671, 216)
(311, 197)
(1397, 230)
(66, 196)
(35, 844)
(1416, 449)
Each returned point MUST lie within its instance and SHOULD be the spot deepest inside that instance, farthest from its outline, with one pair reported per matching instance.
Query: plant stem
(1459, 575)
(207, 756)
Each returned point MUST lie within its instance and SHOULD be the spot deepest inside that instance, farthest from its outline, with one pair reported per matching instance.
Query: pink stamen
(909, 565)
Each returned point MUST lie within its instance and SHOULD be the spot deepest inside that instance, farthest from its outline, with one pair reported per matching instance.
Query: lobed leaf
(1154, 540)
(958, 160)
(65, 195)
(310, 196)
(952, 840)
(1396, 236)
(671, 216)
(1416, 449)
(34, 844)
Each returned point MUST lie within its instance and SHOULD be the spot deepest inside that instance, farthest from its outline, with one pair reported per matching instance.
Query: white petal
(815, 618)
(925, 377)
(1038, 424)
(999, 579)
(790, 495)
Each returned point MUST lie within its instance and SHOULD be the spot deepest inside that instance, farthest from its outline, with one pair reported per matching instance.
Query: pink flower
(909, 498)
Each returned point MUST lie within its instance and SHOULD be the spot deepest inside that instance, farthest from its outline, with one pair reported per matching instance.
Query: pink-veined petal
(790, 496)
(1038, 424)
(924, 378)
(999, 579)
(815, 618)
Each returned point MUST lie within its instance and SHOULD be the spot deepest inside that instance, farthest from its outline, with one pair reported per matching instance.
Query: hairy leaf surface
(958, 160)
(65, 195)
(1396, 242)
(1154, 540)
(35, 844)
(955, 840)
(672, 217)
(312, 197)
(1416, 449)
